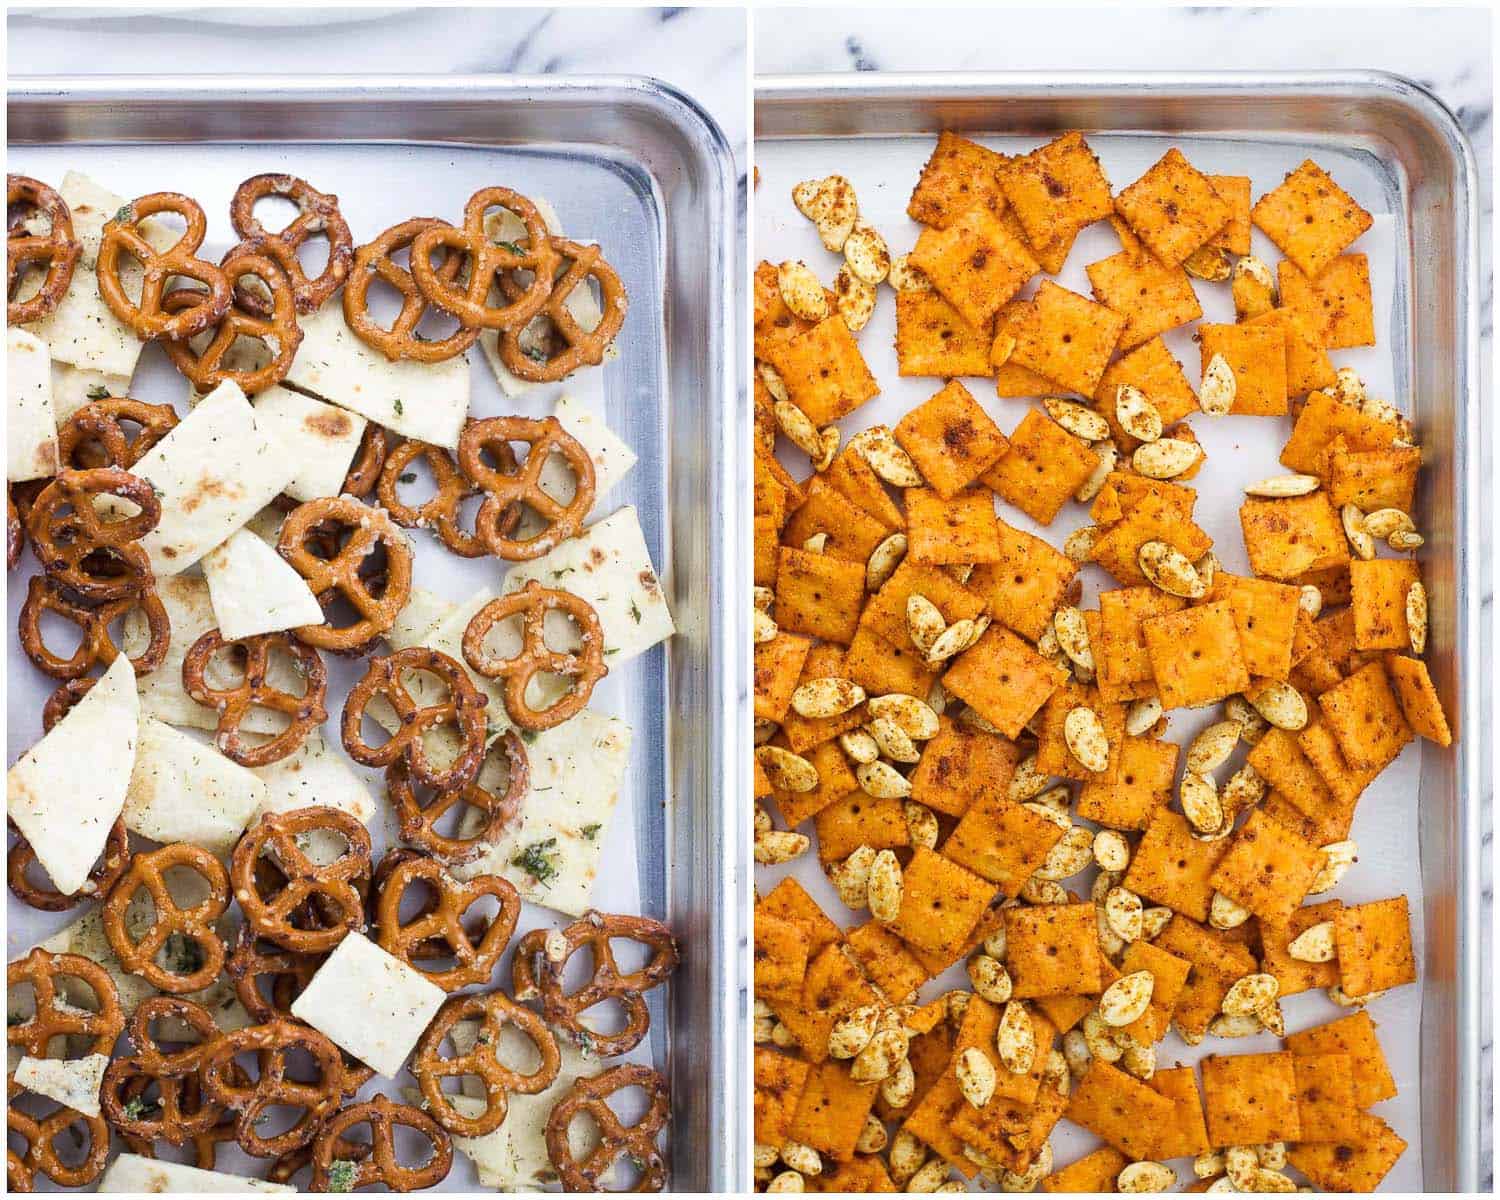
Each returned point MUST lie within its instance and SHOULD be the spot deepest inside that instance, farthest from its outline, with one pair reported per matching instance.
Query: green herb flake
(396, 404)
(409, 477)
(123, 213)
(512, 247)
(537, 860)
(591, 831)
(98, 392)
(341, 1175)
(184, 956)
(635, 611)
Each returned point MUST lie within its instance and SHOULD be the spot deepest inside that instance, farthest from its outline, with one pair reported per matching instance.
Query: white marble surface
(1447, 50)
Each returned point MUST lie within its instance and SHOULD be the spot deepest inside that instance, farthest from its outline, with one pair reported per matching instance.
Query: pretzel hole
(182, 954)
(60, 636)
(275, 1119)
(416, 485)
(281, 210)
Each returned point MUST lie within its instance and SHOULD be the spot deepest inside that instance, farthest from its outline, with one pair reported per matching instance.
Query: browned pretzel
(15, 532)
(96, 647)
(285, 1168)
(553, 949)
(233, 704)
(274, 1044)
(419, 822)
(149, 317)
(333, 888)
(616, 1140)
(57, 250)
(585, 667)
(401, 340)
(369, 461)
(339, 577)
(255, 958)
(441, 924)
(70, 535)
(96, 435)
(191, 1100)
(508, 486)
(463, 708)
(194, 925)
(42, 1136)
(381, 1166)
(110, 867)
(492, 1010)
(441, 512)
(180, 1112)
(581, 347)
(61, 702)
(317, 213)
(55, 1015)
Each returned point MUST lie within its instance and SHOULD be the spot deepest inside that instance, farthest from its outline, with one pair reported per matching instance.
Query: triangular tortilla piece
(183, 790)
(30, 422)
(66, 792)
(74, 1083)
(143, 1176)
(254, 590)
(321, 438)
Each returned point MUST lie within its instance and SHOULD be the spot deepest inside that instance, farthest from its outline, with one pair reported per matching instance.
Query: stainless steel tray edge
(693, 177)
(1387, 115)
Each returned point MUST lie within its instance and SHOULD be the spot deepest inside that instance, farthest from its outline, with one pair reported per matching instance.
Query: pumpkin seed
(1242, 712)
(1100, 1038)
(1153, 921)
(1245, 789)
(830, 204)
(893, 740)
(954, 640)
(1354, 529)
(1385, 521)
(1079, 545)
(900, 1086)
(884, 560)
(1111, 944)
(802, 291)
(827, 696)
(1127, 998)
(763, 628)
(1344, 1000)
(1211, 748)
(859, 746)
(1015, 1040)
(1224, 913)
(1109, 459)
(1190, 1037)
(1168, 569)
(1240, 1162)
(1087, 742)
(852, 1032)
(765, 730)
(873, 1137)
(765, 1022)
(879, 448)
(1027, 1180)
(801, 1157)
(959, 572)
(1314, 944)
(883, 781)
(1138, 1060)
(1076, 1054)
(776, 846)
(994, 945)
(787, 771)
(867, 254)
(829, 439)
(989, 978)
(924, 621)
(1057, 800)
(1338, 857)
(1078, 419)
(1207, 1166)
(921, 824)
(851, 877)
(1252, 288)
(766, 1155)
(1403, 542)
(1073, 635)
(904, 277)
(1282, 705)
(1279, 487)
(885, 889)
(976, 721)
(913, 716)
(907, 1155)
(1111, 850)
(1249, 994)
(1136, 414)
(1226, 1026)
(956, 1000)
(976, 1076)
(762, 598)
(1263, 1180)
(794, 423)
(1348, 388)
(1165, 458)
(878, 1059)
(783, 1037)
(1027, 783)
(854, 299)
(1207, 567)
(762, 818)
(772, 379)
(1123, 910)
(786, 1181)
(1200, 802)
(1142, 716)
(1070, 856)
(1310, 600)
(1271, 1019)
(1217, 391)
(937, 697)
(1037, 890)
(817, 544)
(1212, 264)
(1416, 617)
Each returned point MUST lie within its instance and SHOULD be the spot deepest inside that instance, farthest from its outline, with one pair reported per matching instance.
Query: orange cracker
(960, 529)
(1172, 867)
(1195, 655)
(780, 957)
(881, 667)
(1121, 1109)
(1053, 255)
(1042, 469)
(961, 765)
(1141, 785)
(1057, 189)
(1151, 295)
(767, 537)
(1373, 479)
(1003, 679)
(1186, 1135)
(941, 901)
(1155, 372)
(1337, 304)
(1157, 517)
(1173, 207)
(852, 533)
(933, 339)
(886, 960)
(862, 1173)
(1250, 1098)
(789, 900)
(1344, 783)
(1292, 974)
(1234, 235)
(1217, 963)
(1052, 950)
(1307, 364)
(1287, 538)
(853, 477)
(1310, 218)
(959, 174)
(1418, 698)
(831, 1113)
(1257, 356)
(1067, 338)
(886, 611)
(1379, 588)
(1353, 1035)
(1278, 758)
(775, 323)
(1265, 614)
(1094, 1172)
(975, 263)
(1267, 868)
(1374, 945)
(858, 819)
(1353, 1164)
(825, 661)
(1365, 716)
(1325, 1097)
(835, 782)
(824, 372)
(1024, 586)
(1322, 421)
(951, 439)
(1120, 652)
(779, 1080)
(1053, 756)
(1169, 973)
(1002, 841)
(818, 594)
(778, 666)
(832, 987)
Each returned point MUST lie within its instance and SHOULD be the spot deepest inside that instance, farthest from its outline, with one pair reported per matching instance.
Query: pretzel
(369, 461)
(106, 872)
(42, 1135)
(401, 340)
(65, 543)
(95, 436)
(585, 347)
(276, 329)
(287, 1165)
(15, 532)
(492, 1010)
(381, 1166)
(56, 1016)
(273, 1043)
(565, 1010)
(180, 1112)
(332, 887)
(205, 1144)
(441, 512)
(419, 822)
(61, 702)
(339, 576)
(586, 667)
(638, 1141)
(96, 647)
(441, 924)
(196, 924)
(255, 958)
(233, 704)
(149, 317)
(317, 213)
(58, 248)
(512, 486)
(464, 708)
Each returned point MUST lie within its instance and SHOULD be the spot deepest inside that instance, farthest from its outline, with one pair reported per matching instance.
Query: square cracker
(1353, 1035)
(961, 766)
(959, 174)
(1321, 424)
(824, 372)
(778, 667)
(1374, 479)
(1310, 218)
(1053, 950)
(951, 438)
(975, 263)
(852, 533)
(1374, 945)
(1195, 655)
(1365, 717)
(1172, 867)
(1152, 369)
(780, 959)
(1142, 784)
(1151, 295)
(1157, 517)
(1174, 208)
(832, 987)
(890, 965)
(832, 1110)
(941, 902)
(1292, 974)
(1257, 356)
(790, 900)
(1267, 868)
(1378, 589)
(779, 1080)
(1419, 699)
(1325, 1097)
(1024, 586)
(835, 782)
(1121, 1109)
(1094, 1172)
(1307, 364)
(1042, 469)
(1217, 962)
(857, 819)
(1002, 841)
(933, 339)
(1234, 236)
(850, 475)
(1285, 539)
(1351, 1164)
(1337, 304)
(1003, 679)
(1120, 652)
(1265, 614)
(959, 529)
(880, 666)
(1279, 759)
(1250, 1098)
(818, 594)
(1186, 1135)
(1067, 338)
(1053, 757)
(886, 611)
(1057, 189)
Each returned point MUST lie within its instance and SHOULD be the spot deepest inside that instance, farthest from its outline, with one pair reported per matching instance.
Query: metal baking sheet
(639, 167)
(1403, 156)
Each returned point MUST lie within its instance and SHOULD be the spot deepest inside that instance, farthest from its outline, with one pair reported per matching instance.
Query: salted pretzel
(62, 700)
(276, 329)
(15, 532)
(492, 1010)
(149, 317)
(96, 435)
(89, 1031)
(332, 887)
(616, 1139)
(488, 262)
(274, 1044)
(381, 1166)
(193, 924)
(369, 462)
(256, 958)
(509, 486)
(95, 647)
(205, 1144)
(317, 213)
(401, 341)
(463, 708)
(339, 576)
(42, 1136)
(57, 249)
(585, 667)
(441, 923)
(441, 512)
(111, 865)
(180, 1112)
(285, 1168)
(304, 713)
(419, 821)
(583, 347)
(69, 534)
(552, 950)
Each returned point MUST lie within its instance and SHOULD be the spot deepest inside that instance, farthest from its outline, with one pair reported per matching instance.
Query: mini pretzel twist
(584, 347)
(419, 822)
(42, 1135)
(442, 923)
(54, 1015)
(463, 708)
(180, 1113)
(15, 532)
(191, 1100)
(96, 647)
(441, 512)
(61, 702)
(585, 667)
(69, 544)
(106, 872)
(58, 249)
(95, 435)
(564, 1010)
(317, 213)
(285, 1168)
(195, 924)
(382, 1166)
(369, 461)
(149, 317)
(616, 1139)
(401, 341)
(255, 958)
(233, 704)
(493, 1010)
(339, 576)
(514, 486)
(333, 887)
(488, 263)
(274, 1044)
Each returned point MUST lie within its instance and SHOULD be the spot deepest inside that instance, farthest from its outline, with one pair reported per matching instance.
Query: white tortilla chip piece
(184, 790)
(66, 792)
(422, 611)
(30, 423)
(254, 590)
(212, 473)
(426, 401)
(612, 457)
(322, 439)
(139, 1175)
(607, 565)
(73, 387)
(72, 1082)
(317, 774)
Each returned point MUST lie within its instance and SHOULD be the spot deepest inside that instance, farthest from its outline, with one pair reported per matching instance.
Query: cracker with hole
(1310, 218)
(779, 1080)
(1366, 718)
(1141, 785)
(1418, 698)
(836, 782)
(962, 766)
(1119, 1108)
(1154, 371)
(1053, 755)
(1024, 586)
(1374, 946)
(1378, 590)
(1002, 841)
(958, 175)
(1266, 868)
(941, 901)
(1042, 469)
(1120, 652)
(832, 1110)
(1173, 208)
(959, 529)
(881, 667)
(932, 338)
(1257, 355)
(1152, 296)
(1186, 1134)
(1003, 679)
(1053, 950)
(1195, 655)
(790, 900)
(1250, 1099)
(818, 594)
(779, 957)
(858, 819)
(951, 438)
(1286, 538)
(1057, 189)
(851, 532)
(1066, 338)
(1336, 304)
(1173, 868)
(975, 263)
(824, 372)
(1265, 615)
(1308, 367)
